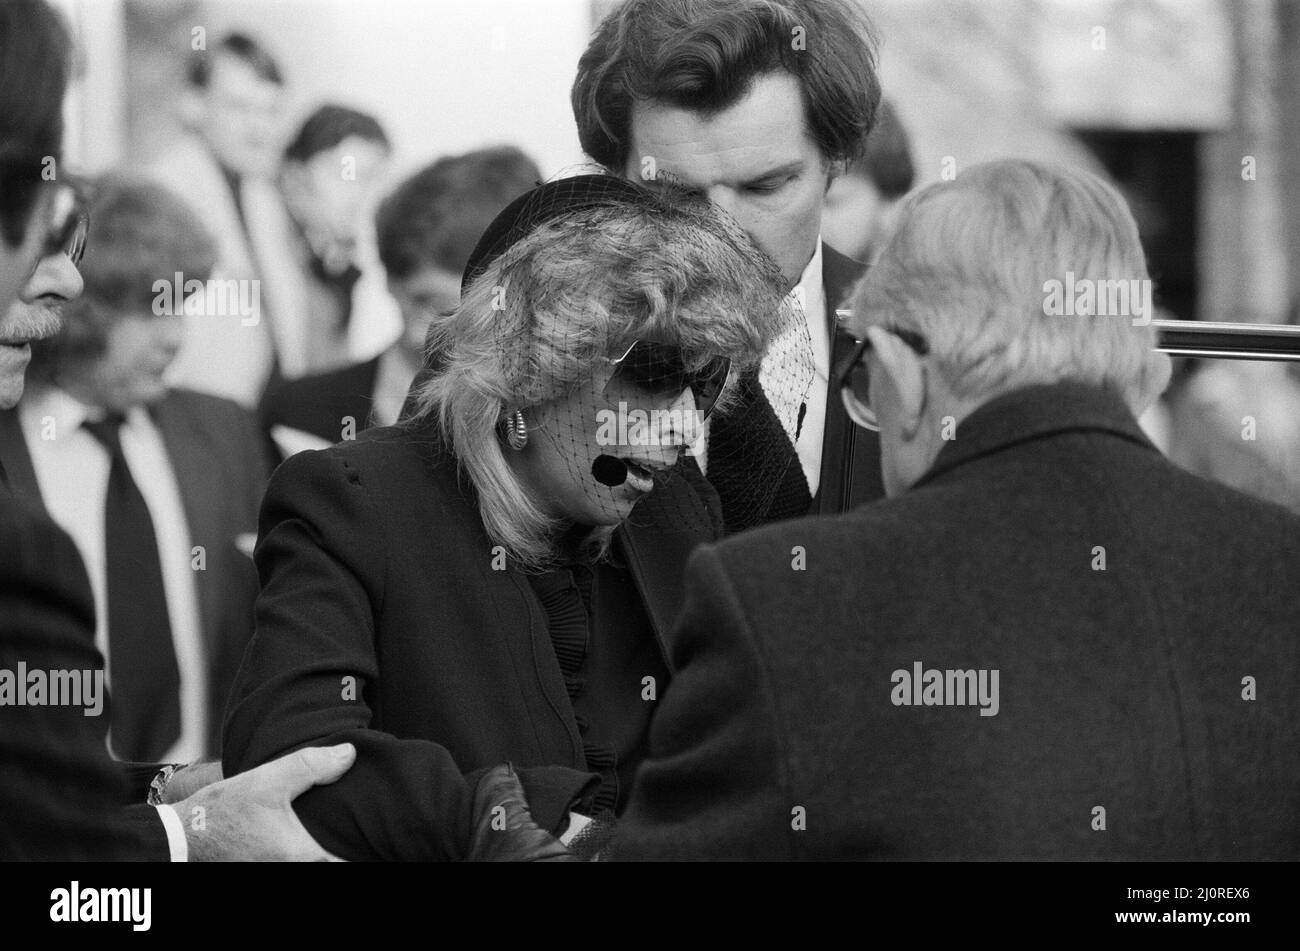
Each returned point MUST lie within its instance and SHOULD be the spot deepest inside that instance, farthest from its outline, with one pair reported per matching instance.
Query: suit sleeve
(311, 675)
(713, 784)
(56, 777)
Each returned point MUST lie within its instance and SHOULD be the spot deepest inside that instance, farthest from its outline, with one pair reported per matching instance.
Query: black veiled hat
(548, 202)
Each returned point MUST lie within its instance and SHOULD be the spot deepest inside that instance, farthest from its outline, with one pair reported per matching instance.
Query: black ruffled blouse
(606, 649)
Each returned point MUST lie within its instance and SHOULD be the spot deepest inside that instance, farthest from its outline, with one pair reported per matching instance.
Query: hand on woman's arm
(322, 561)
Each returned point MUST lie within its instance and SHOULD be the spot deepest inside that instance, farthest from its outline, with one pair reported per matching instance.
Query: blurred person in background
(860, 204)
(1238, 422)
(329, 179)
(65, 797)
(224, 166)
(158, 486)
(1050, 636)
(758, 105)
(426, 230)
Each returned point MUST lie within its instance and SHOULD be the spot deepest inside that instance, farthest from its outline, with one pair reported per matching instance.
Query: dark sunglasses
(69, 224)
(855, 382)
(659, 370)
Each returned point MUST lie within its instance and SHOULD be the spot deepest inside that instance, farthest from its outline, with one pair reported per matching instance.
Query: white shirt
(72, 469)
(811, 293)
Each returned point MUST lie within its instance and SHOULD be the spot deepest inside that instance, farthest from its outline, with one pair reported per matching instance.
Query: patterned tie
(789, 368)
(146, 708)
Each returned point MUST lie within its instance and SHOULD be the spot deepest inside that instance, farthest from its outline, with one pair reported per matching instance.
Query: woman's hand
(503, 827)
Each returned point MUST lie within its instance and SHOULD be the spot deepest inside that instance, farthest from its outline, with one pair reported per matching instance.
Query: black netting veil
(621, 321)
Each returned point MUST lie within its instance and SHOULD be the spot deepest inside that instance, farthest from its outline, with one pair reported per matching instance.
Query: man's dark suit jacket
(318, 404)
(221, 469)
(749, 442)
(1119, 688)
(387, 620)
(61, 795)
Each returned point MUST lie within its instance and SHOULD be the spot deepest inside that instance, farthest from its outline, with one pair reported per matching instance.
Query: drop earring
(516, 431)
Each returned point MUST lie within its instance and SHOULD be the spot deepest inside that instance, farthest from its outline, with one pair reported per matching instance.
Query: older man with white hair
(1049, 642)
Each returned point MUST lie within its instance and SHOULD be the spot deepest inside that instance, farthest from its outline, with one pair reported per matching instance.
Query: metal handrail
(1220, 341)
(1227, 341)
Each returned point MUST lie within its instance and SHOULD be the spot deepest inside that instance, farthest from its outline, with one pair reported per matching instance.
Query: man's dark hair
(704, 55)
(139, 232)
(886, 161)
(242, 47)
(328, 126)
(35, 56)
(436, 216)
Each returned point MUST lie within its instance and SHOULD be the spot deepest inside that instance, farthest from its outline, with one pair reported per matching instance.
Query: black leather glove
(503, 829)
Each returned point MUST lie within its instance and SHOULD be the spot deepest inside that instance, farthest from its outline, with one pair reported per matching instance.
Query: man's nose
(56, 276)
(728, 199)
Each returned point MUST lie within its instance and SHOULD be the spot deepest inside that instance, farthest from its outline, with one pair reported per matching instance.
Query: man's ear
(905, 374)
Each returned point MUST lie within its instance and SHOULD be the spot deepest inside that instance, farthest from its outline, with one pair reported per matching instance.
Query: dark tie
(146, 708)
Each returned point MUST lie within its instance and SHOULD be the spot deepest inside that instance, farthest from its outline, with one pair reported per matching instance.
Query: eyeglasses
(69, 225)
(659, 370)
(855, 384)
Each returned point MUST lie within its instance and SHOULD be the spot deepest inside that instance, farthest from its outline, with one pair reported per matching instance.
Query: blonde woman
(493, 582)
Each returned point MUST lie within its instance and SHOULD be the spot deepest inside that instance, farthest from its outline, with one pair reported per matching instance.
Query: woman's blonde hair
(574, 292)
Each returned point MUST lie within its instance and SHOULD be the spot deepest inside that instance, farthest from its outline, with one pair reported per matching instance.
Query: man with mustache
(158, 485)
(55, 771)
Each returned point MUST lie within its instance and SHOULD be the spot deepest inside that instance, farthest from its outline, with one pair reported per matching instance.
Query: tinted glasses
(855, 382)
(69, 224)
(659, 370)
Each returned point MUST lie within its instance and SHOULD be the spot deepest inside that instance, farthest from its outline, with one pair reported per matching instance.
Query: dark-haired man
(56, 777)
(757, 105)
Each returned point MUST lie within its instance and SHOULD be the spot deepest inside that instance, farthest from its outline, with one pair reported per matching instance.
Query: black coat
(382, 622)
(61, 795)
(750, 440)
(319, 404)
(1119, 688)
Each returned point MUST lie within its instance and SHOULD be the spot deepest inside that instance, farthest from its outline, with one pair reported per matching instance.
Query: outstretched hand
(250, 817)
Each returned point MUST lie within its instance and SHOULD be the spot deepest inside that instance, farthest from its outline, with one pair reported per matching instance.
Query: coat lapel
(850, 472)
(17, 460)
